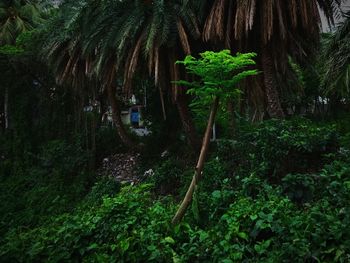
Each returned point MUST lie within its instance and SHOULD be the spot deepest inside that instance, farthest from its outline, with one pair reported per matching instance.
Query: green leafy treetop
(219, 73)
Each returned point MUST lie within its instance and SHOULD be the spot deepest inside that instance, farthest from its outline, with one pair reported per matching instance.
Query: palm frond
(336, 57)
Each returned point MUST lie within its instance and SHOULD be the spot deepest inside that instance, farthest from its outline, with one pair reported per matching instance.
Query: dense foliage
(271, 190)
(243, 212)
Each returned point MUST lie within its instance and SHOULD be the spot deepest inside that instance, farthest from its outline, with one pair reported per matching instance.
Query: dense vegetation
(274, 186)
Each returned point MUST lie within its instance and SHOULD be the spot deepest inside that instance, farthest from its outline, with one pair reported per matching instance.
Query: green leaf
(261, 247)
(92, 246)
(338, 254)
(253, 217)
(203, 236)
(169, 240)
(243, 235)
(216, 194)
(124, 245)
(113, 247)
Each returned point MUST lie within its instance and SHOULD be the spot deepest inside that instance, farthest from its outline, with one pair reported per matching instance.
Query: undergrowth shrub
(39, 186)
(299, 187)
(121, 228)
(170, 175)
(276, 148)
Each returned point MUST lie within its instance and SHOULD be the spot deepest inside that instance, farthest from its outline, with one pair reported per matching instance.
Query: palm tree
(16, 17)
(336, 58)
(75, 66)
(146, 36)
(79, 67)
(118, 38)
(276, 30)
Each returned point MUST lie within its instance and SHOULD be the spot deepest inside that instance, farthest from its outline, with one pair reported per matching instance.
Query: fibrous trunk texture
(6, 111)
(274, 107)
(187, 121)
(124, 137)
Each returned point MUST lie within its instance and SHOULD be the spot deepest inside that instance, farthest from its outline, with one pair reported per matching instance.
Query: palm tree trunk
(124, 137)
(161, 95)
(6, 108)
(95, 116)
(274, 107)
(199, 167)
(187, 121)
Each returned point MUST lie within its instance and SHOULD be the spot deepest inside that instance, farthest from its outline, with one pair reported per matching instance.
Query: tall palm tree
(275, 29)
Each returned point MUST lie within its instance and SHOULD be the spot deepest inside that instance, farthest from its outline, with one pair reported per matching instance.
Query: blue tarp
(135, 117)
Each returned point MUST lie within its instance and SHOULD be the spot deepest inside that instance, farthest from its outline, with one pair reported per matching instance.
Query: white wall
(344, 7)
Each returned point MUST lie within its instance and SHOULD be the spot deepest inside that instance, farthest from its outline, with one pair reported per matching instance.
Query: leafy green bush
(270, 228)
(38, 186)
(121, 228)
(61, 158)
(169, 175)
(299, 187)
(104, 187)
(276, 148)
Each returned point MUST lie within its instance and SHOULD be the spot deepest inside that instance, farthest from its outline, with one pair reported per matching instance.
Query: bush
(275, 148)
(121, 228)
(169, 175)
(299, 187)
(39, 186)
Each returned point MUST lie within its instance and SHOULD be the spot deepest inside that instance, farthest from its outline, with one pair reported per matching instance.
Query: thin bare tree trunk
(199, 167)
(124, 137)
(6, 109)
(274, 107)
(187, 121)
